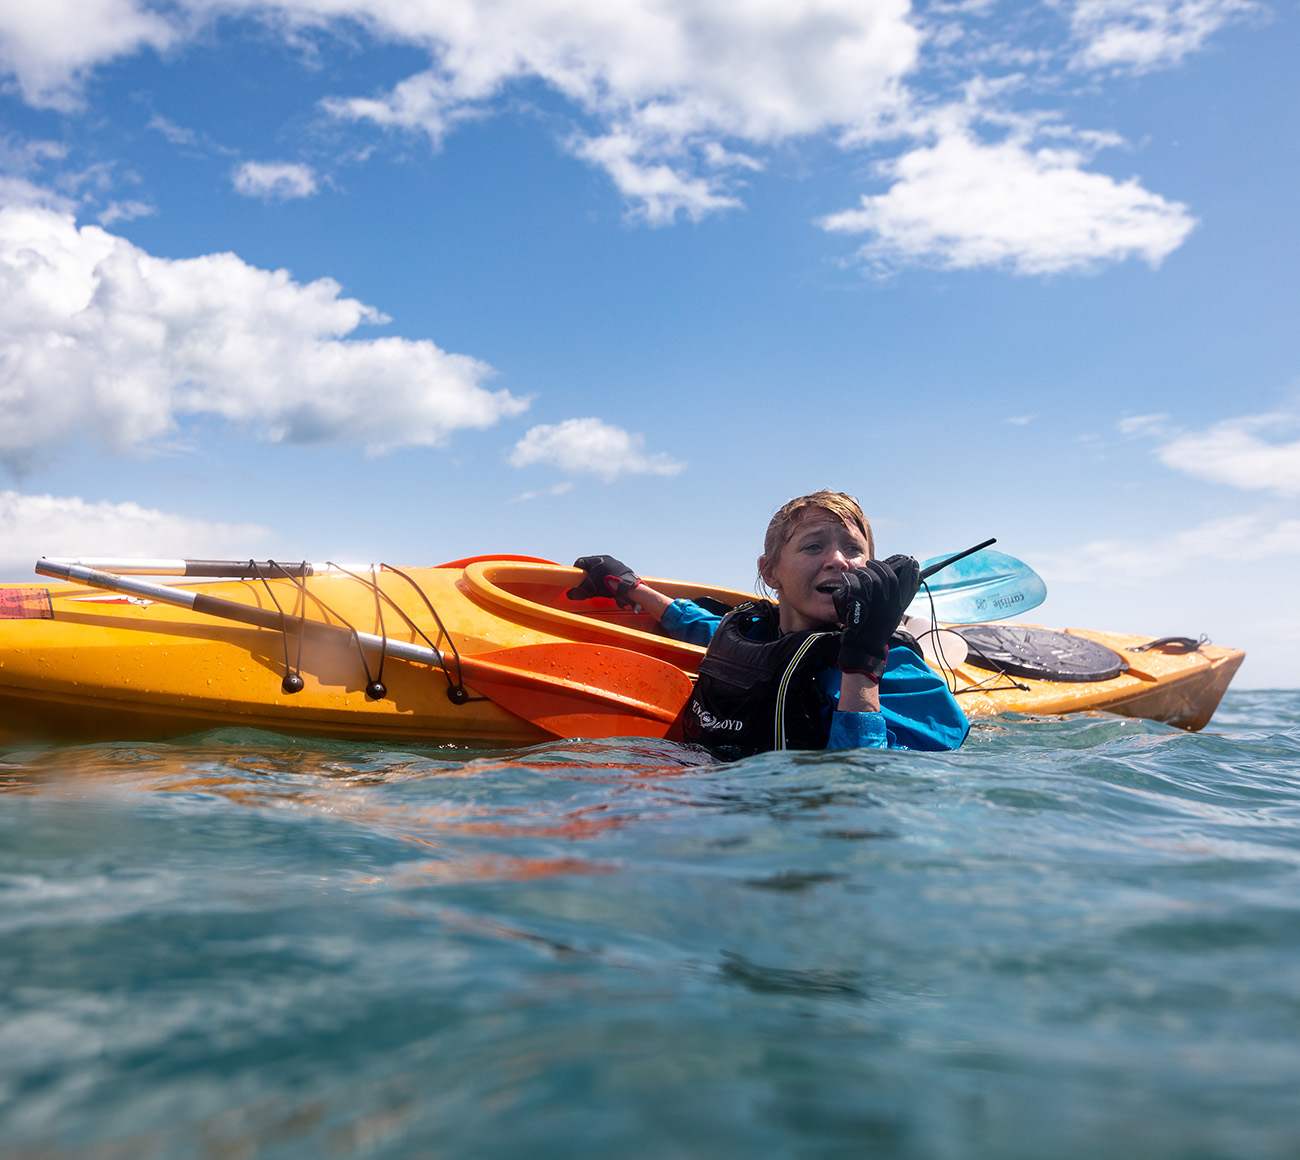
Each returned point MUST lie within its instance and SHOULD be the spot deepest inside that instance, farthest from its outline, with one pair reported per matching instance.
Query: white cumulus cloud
(1240, 453)
(176, 134)
(20, 163)
(124, 211)
(32, 526)
(559, 489)
(1143, 424)
(1128, 563)
(1139, 35)
(98, 336)
(17, 191)
(50, 46)
(673, 99)
(590, 447)
(277, 180)
(658, 189)
(668, 83)
(961, 203)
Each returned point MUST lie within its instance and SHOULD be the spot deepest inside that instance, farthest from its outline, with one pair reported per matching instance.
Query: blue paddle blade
(986, 586)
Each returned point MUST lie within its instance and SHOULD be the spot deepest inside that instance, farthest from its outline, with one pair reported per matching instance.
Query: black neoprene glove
(908, 572)
(605, 576)
(870, 606)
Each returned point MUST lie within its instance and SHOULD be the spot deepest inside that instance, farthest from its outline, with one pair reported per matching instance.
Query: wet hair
(790, 515)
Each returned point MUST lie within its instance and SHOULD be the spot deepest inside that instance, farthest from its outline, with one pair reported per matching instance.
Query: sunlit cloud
(1134, 563)
(1250, 452)
(1143, 424)
(124, 211)
(670, 86)
(274, 180)
(21, 163)
(961, 204)
(98, 337)
(32, 526)
(19, 191)
(680, 104)
(544, 493)
(20, 155)
(176, 134)
(658, 190)
(49, 47)
(590, 447)
(1147, 34)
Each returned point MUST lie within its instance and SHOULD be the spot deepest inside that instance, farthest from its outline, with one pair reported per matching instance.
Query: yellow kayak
(486, 650)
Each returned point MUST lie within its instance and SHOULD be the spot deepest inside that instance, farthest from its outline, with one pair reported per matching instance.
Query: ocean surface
(1076, 937)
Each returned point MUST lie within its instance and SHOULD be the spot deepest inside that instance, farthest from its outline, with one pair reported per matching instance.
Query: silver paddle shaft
(230, 609)
(133, 566)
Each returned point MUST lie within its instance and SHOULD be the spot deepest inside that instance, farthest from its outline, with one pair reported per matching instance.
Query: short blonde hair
(790, 515)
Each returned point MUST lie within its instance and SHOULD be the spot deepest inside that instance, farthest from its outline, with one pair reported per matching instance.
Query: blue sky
(407, 281)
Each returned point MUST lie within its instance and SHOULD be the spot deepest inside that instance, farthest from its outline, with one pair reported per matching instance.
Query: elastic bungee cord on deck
(293, 682)
(985, 686)
(457, 694)
(978, 686)
(376, 690)
(948, 675)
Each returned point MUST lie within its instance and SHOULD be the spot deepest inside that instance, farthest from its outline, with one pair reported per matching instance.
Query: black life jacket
(757, 690)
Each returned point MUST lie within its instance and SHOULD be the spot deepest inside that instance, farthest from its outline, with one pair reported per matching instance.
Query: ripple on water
(1075, 937)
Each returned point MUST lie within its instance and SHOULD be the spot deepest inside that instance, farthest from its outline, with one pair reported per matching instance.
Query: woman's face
(810, 567)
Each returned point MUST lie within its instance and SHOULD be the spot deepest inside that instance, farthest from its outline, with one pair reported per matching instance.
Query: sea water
(1075, 937)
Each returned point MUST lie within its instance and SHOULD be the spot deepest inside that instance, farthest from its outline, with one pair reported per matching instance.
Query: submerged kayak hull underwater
(77, 663)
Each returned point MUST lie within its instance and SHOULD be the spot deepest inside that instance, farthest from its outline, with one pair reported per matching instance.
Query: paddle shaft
(211, 569)
(233, 610)
(942, 564)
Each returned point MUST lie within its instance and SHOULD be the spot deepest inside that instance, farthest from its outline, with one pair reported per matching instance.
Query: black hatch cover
(1039, 653)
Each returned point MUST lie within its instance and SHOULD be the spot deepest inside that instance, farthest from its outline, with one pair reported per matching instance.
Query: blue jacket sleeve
(686, 621)
(916, 710)
(858, 731)
(919, 711)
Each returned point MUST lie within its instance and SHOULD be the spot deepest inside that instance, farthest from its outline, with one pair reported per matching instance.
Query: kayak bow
(562, 688)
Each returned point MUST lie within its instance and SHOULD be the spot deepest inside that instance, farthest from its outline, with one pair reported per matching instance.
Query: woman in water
(821, 668)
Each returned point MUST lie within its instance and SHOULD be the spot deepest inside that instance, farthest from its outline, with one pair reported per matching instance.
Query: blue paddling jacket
(760, 689)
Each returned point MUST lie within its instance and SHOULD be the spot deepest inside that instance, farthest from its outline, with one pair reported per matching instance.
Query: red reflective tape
(25, 604)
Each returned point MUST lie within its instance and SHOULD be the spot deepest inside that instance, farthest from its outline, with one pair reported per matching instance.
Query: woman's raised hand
(908, 572)
(870, 607)
(605, 576)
